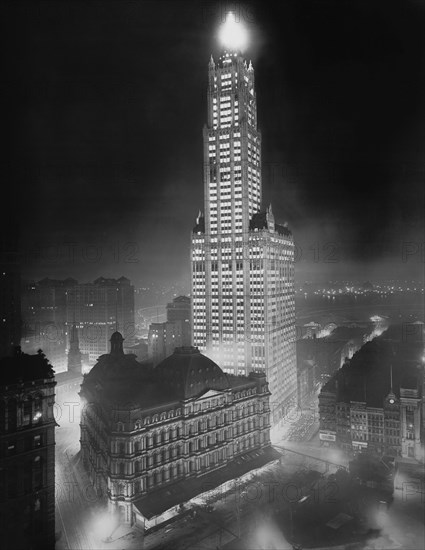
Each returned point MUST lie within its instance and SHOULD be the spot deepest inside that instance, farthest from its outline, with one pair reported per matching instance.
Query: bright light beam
(232, 34)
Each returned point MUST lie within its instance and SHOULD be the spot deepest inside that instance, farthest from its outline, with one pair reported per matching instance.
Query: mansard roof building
(153, 438)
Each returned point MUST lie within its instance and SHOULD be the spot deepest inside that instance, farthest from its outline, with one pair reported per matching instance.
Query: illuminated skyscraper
(243, 303)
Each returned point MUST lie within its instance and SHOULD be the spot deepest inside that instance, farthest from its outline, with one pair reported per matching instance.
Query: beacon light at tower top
(232, 34)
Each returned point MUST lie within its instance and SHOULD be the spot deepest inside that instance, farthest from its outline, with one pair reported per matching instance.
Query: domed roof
(188, 373)
(116, 364)
(116, 343)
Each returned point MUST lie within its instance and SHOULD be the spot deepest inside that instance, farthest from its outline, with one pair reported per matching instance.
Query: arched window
(138, 424)
(155, 418)
(147, 420)
(163, 416)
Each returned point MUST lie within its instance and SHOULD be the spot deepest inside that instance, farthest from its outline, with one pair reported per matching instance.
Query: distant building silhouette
(27, 457)
(164, 338)
(52, 307)
(179, 311)
(44, 314)
(10, 310)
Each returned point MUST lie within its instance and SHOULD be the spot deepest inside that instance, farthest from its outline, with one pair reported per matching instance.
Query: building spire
(116, 311)
(74, 353)
(117, 344)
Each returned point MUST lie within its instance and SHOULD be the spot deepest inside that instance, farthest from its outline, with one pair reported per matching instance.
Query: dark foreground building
(27, 454)
(375, 401)
(154, 438)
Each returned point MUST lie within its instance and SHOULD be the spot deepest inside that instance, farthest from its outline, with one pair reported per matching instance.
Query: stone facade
(27, 463)
(187, 419)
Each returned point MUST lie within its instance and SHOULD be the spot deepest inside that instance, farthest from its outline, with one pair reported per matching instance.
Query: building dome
(116, 364)
(188, 373)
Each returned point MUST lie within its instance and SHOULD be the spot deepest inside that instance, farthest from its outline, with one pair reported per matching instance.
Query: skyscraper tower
(243, 306)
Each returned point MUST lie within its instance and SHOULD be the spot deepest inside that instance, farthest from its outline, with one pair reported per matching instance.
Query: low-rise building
(153, 438)
(375, 400)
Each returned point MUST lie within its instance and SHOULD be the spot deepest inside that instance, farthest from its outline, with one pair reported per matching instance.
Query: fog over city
(212, 275)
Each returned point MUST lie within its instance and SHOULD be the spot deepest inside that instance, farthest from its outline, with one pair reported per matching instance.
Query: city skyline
(341, 154)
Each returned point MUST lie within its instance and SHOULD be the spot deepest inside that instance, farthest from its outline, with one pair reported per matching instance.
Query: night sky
(104, 107)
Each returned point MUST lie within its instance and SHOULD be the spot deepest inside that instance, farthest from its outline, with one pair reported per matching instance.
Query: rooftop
(22, 367)
(172, 495)
(367, 376)
(186, 374)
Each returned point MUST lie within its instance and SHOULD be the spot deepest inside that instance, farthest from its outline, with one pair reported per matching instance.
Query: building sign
(327, 436)
(359, 444)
